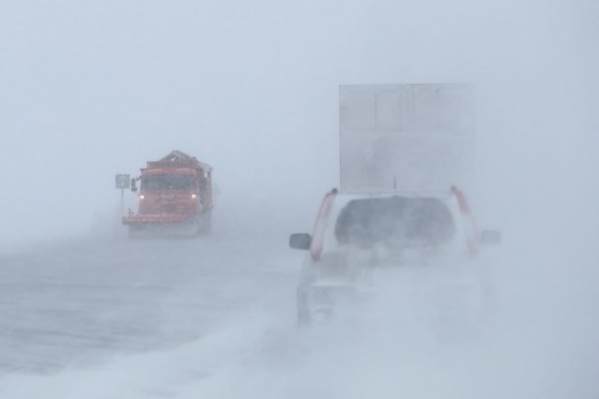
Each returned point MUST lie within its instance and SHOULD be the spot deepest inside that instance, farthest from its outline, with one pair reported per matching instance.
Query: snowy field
(215, 318)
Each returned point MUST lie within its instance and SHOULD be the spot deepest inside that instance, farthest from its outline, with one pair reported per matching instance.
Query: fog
(251, 88)
(90, 91)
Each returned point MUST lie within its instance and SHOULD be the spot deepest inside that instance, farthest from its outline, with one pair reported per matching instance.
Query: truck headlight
(141, 196)
(194, 196)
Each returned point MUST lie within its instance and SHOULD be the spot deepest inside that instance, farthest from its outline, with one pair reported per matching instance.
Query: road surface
(215, 318)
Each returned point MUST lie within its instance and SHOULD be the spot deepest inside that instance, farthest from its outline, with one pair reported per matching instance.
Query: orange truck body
(175, 190)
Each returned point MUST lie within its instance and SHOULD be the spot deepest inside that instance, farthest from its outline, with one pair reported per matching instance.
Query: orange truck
(175, 198)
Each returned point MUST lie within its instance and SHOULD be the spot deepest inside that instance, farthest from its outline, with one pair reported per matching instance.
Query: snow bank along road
(215, 318)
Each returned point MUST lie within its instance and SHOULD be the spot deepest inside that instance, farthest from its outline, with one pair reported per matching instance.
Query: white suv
(367, 245)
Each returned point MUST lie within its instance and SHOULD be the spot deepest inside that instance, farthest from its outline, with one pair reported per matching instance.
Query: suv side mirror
(300, 241)
(490, 237)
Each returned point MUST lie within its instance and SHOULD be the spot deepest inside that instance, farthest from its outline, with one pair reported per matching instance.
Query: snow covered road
(215, 318)
(87, 302)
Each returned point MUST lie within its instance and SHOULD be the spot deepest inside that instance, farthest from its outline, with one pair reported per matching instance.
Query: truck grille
(168, 208)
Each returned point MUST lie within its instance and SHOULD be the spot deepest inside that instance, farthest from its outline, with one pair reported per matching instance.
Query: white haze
(93, 89)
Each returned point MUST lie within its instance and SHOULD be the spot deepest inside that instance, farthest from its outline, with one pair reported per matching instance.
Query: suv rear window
(398, 220)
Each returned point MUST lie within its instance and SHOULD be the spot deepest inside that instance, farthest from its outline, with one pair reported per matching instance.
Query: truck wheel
(205, 224)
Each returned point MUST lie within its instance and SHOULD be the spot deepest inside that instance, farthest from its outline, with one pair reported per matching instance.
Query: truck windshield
(397, 220)
(167, 182)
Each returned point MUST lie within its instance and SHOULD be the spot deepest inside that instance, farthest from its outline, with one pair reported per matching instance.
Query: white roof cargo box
(412, 137)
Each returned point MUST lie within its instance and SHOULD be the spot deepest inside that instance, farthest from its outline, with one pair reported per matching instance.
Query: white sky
(90, 89)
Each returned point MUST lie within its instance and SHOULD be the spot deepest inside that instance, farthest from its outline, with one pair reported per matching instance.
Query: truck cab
(170, 191)
(175, 196)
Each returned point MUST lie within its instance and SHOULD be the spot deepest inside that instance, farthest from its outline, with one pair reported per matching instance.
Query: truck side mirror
(300, 241)
(133, 186)
(490, 237)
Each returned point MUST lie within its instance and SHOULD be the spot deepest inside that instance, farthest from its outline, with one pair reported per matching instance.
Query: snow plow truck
(175, 198)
